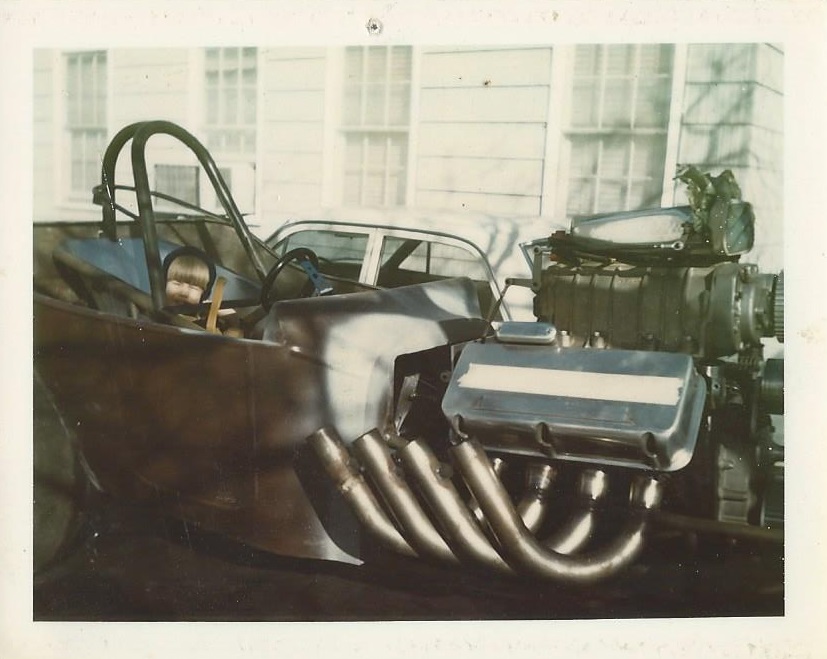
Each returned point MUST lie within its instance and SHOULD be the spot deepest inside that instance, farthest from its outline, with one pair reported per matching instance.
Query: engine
(641, 395)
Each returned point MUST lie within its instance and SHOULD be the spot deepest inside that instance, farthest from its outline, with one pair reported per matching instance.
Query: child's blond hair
(189, 269)
(190, 266)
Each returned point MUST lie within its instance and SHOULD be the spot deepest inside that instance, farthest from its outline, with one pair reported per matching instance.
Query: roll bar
(140, 133)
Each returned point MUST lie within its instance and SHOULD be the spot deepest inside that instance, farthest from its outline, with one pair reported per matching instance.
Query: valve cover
(609, 407)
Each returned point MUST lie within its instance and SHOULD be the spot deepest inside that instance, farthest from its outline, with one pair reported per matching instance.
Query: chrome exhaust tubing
(375, 456)
(525, 552)
(577, 530)
(533, 506)
(458, 524)
(498, 465)
(339, 465)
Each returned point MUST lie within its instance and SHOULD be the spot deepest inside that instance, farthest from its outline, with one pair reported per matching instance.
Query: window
(231, 87)
(376, 120)
(617, 131)
(231, 84)
(341, 253)
(179, 181)
(85, 119)
(405, 260)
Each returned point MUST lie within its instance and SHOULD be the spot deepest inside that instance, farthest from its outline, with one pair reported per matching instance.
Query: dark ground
(137, 568)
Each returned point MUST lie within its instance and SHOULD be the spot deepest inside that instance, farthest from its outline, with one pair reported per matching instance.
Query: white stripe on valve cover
(652, 389)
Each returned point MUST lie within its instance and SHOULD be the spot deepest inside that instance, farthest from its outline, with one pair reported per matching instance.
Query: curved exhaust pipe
(498, 465)
(533, 506)
(339, 465)
(577, 530)
(525, 552)
(372, 451)
(453, 514)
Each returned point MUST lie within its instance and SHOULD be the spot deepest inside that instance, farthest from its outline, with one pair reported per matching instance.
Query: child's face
(181, 293)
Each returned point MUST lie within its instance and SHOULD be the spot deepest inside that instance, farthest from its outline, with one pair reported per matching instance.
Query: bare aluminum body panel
(212, 428)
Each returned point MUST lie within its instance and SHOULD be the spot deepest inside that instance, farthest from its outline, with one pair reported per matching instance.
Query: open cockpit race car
(316, 417)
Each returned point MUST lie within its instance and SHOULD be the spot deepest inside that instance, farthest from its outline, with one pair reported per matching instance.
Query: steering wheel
(308, 261)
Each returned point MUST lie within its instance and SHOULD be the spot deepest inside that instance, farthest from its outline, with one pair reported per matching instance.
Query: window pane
(407, 261)
(376, 153)
(340, 253)
(397, 152)
(648, 159)
(87, 85)
(352, 193)
(581, 197)
(373, 193)
(230, 57)
(645, 194)
(352, 115)
(400, 64)
(76, 158)
(249, 103)
(85, 118)
(211, 59)
(617, 109)
(399, 104)
(249, 58)
(617, 90)
(585, 104)
(395, 189)
(656, 59)
(612, 196)
(248, 140)
(376, 95)
(353, 152)
(177, 181)
(615, 158)
(232, 141)
(377, 61)
(587, 60)
(353, 65)
(100, 101)
(620, 60)
(653, 99)
(584, 157)
(231, 77)
(375, 104)
(73, 92)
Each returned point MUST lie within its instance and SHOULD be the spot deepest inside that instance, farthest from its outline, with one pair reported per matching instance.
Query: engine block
(706, 311)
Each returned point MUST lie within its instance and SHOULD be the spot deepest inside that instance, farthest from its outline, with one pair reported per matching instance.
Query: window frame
(67, 196)
(557, 180)
(234, 161)
(208, 127)
(369, 272)
(337, 130)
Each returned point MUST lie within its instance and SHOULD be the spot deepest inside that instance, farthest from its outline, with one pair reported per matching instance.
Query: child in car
(189, 276)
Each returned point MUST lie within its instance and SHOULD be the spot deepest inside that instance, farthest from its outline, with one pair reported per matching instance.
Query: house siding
(292, 140)
(482, 129)
(732, 119)
(484, 119)
(44, 154)
(149, 83)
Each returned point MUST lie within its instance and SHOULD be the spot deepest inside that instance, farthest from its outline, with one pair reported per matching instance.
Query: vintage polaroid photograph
(380, 324)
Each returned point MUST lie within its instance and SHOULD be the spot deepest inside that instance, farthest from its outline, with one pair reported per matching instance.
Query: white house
(545, 130)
